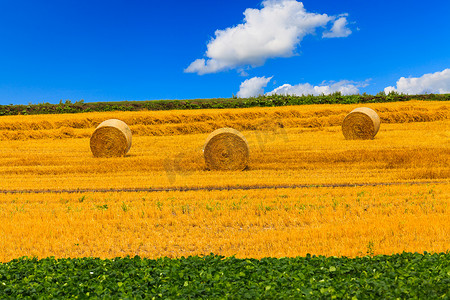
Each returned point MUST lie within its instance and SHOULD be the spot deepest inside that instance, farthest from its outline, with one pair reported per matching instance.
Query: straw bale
(112, 138)
(362, 123)
(226, 149)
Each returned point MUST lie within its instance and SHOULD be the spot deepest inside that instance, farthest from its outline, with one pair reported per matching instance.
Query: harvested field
(300, 145)
(165, 123)
(353, 221)
(416, 151)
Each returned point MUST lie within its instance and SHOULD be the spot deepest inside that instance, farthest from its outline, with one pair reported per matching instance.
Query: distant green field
(261, 101)
(399, 276)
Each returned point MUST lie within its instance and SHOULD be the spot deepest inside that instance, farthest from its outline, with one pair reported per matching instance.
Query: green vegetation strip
(405, 276)
(261, 101)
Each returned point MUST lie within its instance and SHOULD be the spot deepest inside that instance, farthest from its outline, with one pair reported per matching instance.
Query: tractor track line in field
(216, 188)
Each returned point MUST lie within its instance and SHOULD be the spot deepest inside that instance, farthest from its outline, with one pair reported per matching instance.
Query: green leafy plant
(399, 276)
(102, 207)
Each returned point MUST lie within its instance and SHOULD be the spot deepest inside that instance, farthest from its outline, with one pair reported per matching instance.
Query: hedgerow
(261, 101)
(405, 276)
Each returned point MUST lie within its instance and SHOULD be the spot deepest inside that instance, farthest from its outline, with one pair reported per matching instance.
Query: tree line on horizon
(216, 103)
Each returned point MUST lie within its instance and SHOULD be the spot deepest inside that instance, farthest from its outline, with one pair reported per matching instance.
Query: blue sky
(144, 50)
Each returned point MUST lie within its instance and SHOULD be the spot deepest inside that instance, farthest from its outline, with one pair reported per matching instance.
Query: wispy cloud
(275, 30)
(253, 87)
(436, 83)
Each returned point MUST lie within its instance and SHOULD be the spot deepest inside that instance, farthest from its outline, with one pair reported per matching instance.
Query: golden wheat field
(295, 145)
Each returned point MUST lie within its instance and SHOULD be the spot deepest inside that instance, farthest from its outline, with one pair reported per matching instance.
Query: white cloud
(436, 83)
(275, 30)
(346, 87)
(339, 29)
(253, 87)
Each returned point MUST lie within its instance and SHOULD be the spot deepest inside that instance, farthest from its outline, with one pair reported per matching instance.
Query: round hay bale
(111, 138)
(226, 149)
(362, 123)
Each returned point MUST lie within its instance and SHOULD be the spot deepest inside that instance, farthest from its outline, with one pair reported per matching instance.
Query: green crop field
(401, 276)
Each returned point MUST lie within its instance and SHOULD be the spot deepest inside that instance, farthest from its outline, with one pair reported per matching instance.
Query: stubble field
(353, 198)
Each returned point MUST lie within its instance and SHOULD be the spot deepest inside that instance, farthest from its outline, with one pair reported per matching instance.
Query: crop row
(261, 101)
